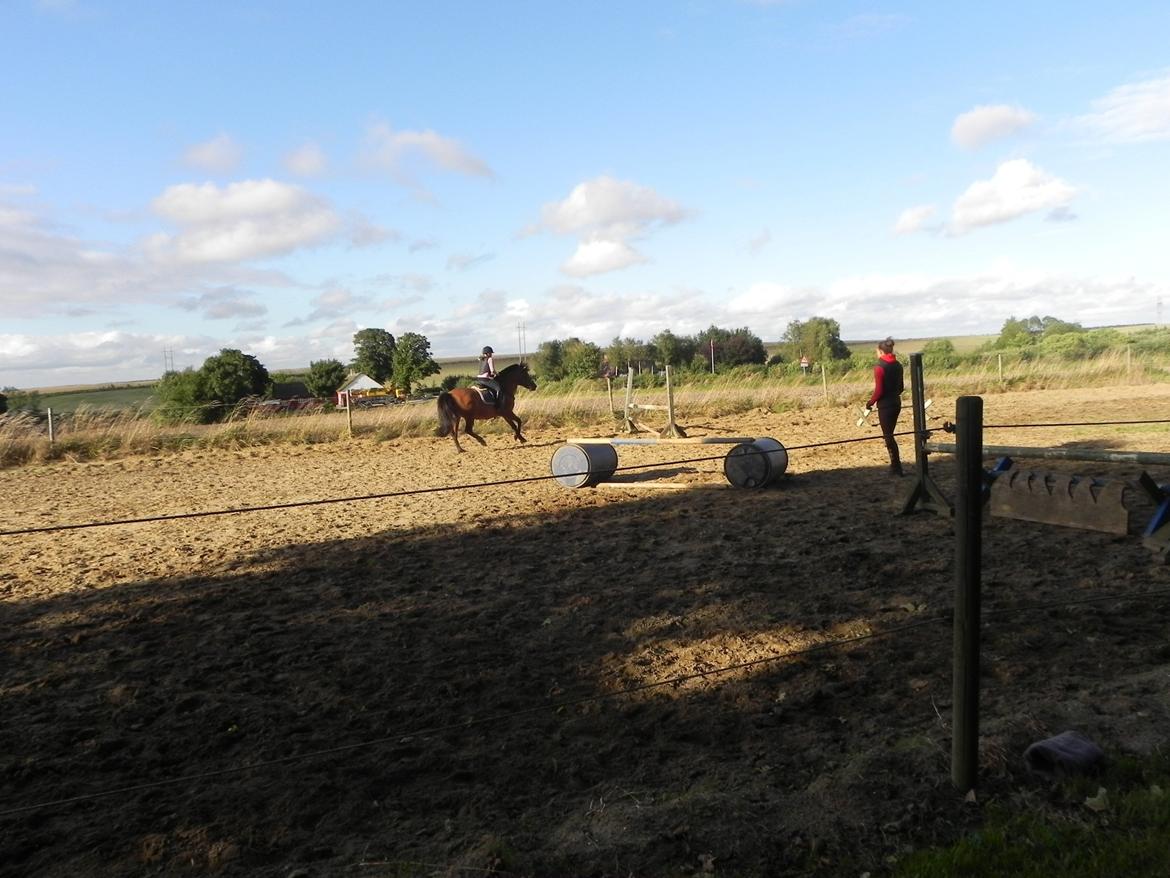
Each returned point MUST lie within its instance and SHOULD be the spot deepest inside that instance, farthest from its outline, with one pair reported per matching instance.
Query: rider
(487, 374)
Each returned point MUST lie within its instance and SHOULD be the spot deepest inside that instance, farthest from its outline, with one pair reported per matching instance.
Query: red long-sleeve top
(878, 375)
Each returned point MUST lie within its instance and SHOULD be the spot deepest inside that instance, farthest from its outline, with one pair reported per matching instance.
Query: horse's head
(525, 377)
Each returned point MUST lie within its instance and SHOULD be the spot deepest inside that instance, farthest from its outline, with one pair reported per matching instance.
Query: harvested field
(471, 681)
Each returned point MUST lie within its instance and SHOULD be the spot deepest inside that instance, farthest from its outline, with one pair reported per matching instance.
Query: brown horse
(465, 403)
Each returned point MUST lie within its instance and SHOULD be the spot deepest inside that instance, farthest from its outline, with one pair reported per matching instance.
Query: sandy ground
(528, 679)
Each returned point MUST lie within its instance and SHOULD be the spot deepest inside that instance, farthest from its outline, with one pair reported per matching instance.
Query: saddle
(485, 393)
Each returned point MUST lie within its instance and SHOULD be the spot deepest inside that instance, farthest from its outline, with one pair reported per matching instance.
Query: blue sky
(274, 176)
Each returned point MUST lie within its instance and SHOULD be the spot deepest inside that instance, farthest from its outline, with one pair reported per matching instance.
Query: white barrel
(582, 466)
(755, 464)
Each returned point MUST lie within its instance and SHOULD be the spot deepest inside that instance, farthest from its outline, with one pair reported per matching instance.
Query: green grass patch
(100, 398)
(1127, 833)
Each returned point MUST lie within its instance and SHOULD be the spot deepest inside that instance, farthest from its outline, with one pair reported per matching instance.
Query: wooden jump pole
(1146, 458)
(968, 573)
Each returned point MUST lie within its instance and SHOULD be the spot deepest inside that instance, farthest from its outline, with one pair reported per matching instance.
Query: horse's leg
(470, 432)
(455, 432)
(514, 421)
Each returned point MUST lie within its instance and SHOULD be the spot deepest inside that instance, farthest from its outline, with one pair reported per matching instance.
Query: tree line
(210, 392)
(712, 349)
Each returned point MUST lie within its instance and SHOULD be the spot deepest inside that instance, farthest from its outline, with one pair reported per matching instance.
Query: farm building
(359, 386)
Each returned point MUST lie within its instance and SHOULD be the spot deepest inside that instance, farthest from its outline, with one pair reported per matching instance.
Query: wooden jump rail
(1145, 458)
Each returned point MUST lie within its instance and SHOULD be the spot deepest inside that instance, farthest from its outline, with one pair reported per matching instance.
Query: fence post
(349, 414)
(968, 572)
(1000, 358)
(824, 381)
(51, 436)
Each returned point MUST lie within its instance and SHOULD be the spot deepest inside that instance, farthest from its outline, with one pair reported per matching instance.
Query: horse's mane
(515, 367)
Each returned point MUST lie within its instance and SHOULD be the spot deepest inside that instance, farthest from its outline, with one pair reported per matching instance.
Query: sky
(177, 178)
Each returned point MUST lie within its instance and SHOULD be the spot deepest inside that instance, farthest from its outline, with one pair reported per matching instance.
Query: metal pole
(968, 572)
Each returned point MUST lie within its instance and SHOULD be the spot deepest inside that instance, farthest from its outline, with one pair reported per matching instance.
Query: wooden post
(1000, 358)
(671, 430)
(49, 411)
(824, 381)
(609, 389)
(1129, 362)
(349, 413)
(630, 426)
(925, 491)
(968, 573)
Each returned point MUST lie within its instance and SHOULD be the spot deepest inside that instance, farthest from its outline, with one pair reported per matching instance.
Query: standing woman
(487, 373)
(887, 397)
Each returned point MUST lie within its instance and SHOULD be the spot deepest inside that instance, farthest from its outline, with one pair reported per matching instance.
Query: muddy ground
(529, 679)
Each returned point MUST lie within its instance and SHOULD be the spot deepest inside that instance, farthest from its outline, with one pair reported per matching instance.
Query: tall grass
(93, 432)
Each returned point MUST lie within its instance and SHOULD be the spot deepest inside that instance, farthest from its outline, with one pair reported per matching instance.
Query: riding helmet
(487, 351)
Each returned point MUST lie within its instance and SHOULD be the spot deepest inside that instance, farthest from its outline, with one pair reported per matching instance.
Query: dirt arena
(469, 682)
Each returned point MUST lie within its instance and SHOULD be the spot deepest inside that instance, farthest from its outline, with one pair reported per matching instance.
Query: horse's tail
(446, 417)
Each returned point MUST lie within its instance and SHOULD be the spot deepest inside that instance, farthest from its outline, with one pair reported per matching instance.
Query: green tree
(181, 397)
(1017, 333)
(549, 361)
(940, 353)
(818, 338)
(732, 347)
(324, 377)
(582, 359)
(1054, 326)
(23, 400)
(673, 350)
(231, 375)
(374, 354)
(412, 360)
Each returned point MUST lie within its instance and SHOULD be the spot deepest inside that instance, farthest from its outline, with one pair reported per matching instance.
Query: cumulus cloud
(245, 220)
(607, 215)
(1017, 188)
(912, 219)
(405, 154)
(985, 124)
(1132, 113)
(220, 155)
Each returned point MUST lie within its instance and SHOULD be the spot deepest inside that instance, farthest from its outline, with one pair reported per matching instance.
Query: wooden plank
(1056, 498)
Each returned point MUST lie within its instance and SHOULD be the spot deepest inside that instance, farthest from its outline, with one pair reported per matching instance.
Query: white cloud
(1017, 188)
(220, 155)
(44, 272)
(307, 160)
(223, 303)
(1132, 113)
(245, 220)
(985, 124)
(467, 261)
(607, 214)
(912, 219)
(400, 153)
(599, 256)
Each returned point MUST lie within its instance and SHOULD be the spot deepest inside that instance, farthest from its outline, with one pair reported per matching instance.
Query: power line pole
(168, 360)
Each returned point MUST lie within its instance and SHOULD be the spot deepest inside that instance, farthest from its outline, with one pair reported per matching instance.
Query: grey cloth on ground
(1064, 754)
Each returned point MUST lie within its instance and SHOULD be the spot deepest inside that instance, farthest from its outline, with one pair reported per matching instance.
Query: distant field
(136, 397)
